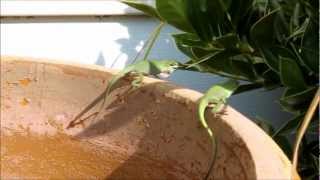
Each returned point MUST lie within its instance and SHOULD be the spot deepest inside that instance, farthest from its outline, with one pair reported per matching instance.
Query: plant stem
(313, 106)
(143, 47)
(153, 38)
(299, 57)
(203, 59)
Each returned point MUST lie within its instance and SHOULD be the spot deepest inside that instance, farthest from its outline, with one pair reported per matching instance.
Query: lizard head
(166, 67)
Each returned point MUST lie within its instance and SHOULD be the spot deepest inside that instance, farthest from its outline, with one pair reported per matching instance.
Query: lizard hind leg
(218, 107)
(137, 81)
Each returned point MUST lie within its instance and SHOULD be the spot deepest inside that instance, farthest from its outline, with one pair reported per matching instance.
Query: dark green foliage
(267, 43)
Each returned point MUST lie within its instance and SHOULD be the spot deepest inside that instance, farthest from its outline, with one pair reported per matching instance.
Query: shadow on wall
(101, 60)
(139, 30)
(110, 41)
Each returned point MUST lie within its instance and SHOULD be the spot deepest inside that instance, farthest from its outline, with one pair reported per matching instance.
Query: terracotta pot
(148, 133)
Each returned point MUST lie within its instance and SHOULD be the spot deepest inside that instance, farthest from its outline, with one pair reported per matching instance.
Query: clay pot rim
(257, 142)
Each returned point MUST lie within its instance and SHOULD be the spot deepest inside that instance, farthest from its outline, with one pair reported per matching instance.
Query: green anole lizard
(161, 69)
(216, 98)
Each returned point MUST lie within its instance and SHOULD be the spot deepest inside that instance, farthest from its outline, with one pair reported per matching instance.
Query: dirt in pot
(60, 157)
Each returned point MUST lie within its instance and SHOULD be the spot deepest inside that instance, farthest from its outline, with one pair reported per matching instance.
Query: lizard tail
(102, 96)
(201, 113)
(105, 96)
(90, 106)
(214, 157)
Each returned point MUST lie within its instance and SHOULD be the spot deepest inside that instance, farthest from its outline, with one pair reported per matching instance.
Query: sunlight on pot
(146, 133)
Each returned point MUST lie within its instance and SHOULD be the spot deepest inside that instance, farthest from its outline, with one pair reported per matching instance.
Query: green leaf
(238, 10)
(149, 10)
(191, 40)
(282, 51)
(296, 96)
(296, 109)
(217, 11)
(313, 127)
(263, 35)
(180, 44)
(281, 26)
(290, 74)
(271, 79)
(284, 144)
(174, 12)
(271, 55)
(197, 15)
(196, 67)
(300, 30)
(294, 20)
(263, 31)
(310, 47)
(243, 69)
(271, 59)
(228, 41)
(289, 126)
(224, 64)
(297, 101)
(247, 87)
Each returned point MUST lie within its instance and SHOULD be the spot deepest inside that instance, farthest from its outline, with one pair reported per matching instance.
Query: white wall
(113, 42)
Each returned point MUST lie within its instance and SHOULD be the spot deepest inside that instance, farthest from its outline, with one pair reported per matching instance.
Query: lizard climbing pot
(151, 132)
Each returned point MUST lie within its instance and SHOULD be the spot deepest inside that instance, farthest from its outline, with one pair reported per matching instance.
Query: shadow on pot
(161, 136)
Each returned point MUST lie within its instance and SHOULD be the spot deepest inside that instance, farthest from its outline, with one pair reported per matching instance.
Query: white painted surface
(66, 7)
(113, 42)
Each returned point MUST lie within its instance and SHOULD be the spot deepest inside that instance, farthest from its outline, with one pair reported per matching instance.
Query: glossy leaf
(174, 12)
(291, 75)
(147, 9)
(284, 144)
(289, 126)
(228, 41)
(294, 96)
(238, 10)
(294, 21)
(191, 40)
(263, 35)
(313, 128)
(271, 79)
(197, 14)
(297, 101)
(217, 12)
(300, 30)
(224, 65)
(247, 87)
(310, 47)
(262, 32)
(282, 51)
(180, 44)
(271, 59)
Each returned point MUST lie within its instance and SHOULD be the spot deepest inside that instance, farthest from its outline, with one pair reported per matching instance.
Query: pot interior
(146, 133)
